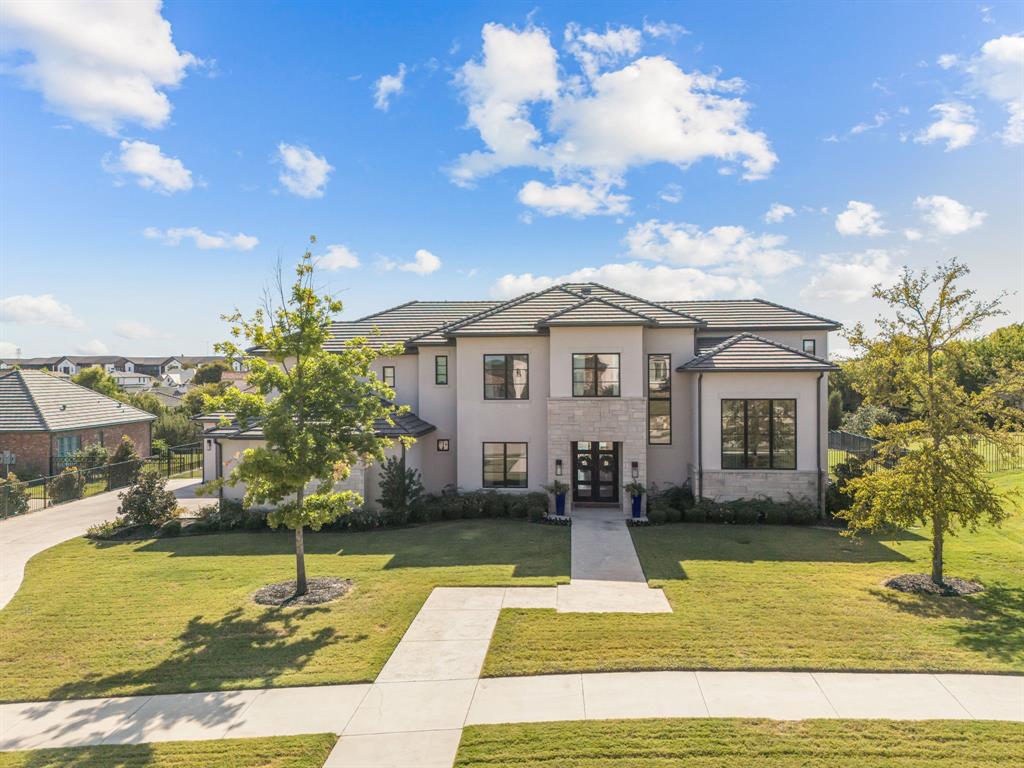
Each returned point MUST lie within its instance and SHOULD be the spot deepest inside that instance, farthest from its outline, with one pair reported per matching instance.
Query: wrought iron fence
(75, 483)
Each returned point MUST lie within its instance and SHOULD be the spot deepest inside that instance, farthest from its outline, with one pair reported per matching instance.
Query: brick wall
(33, 449)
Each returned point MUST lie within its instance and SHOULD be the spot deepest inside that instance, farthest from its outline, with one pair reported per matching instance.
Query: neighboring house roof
(751, 314)
(405, 425)
(747, 352)
(402, 323)
(35, 401)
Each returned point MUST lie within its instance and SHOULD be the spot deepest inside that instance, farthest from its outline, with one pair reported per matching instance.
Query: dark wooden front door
(595, 472)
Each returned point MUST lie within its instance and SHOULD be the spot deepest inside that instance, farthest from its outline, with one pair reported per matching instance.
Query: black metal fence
(842, 445)
(75, 483)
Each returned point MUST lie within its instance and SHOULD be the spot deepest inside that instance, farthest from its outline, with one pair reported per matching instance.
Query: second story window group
(595, 375)
(506, 377)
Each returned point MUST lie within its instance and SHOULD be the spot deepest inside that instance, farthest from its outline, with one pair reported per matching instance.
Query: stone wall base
(779, 485)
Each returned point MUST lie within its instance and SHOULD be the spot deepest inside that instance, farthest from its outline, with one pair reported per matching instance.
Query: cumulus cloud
(600, 126)
(387, 87)
(777, 213)
(573, 199)
(202, 240)
(658, 282)
(44, 309)
(725, 249)
(956, 125)
(338, 257)
(860, 219)
(92, 347)
(102, 62)
(305, 173)
(948, 216)
(151, 168)
(849, 278)
(998, 72)
(135, 329)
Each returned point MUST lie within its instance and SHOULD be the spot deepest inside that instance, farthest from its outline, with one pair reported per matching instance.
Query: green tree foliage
(98, 380)
(317, 408)
(835, 409)
(925, 470)
(175, 428)
(400, 488)
(210, 373)
(124, 464)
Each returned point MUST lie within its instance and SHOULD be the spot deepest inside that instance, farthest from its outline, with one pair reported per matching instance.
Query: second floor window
(759, 434)
(388, 375)
(595, 375)
(506, 377)
(659, 399)
(441, 369)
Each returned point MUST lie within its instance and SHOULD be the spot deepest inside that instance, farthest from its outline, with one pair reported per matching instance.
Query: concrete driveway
(25, 536)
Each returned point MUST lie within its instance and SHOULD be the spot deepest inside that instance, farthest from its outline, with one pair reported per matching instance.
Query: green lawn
(174, 615)
(743, 743)
(277, 752)
(766, 597)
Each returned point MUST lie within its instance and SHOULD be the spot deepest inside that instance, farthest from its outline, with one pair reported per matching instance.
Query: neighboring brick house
(43, 416)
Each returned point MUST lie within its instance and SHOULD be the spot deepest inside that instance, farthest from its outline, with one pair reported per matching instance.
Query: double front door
(595, 472)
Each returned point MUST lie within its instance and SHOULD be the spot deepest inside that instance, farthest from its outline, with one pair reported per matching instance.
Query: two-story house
(595, 387)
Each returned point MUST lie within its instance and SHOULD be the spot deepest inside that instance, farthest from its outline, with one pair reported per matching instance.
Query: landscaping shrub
(14, 496)
(67, 486)
(124, 465)
(147, 501)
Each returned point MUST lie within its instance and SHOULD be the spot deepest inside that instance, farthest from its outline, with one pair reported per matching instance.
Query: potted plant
(558, 489)
(636, 491)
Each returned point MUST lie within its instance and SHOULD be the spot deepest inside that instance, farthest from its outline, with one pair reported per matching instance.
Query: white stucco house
(595, 387)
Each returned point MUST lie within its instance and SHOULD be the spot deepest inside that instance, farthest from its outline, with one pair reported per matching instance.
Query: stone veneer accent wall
(748, 483)
(619, 419)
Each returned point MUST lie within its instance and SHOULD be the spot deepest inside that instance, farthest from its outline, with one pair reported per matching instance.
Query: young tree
(317, 408)
(926, 470)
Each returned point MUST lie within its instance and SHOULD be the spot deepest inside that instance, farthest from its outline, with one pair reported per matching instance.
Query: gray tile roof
(747, 352)
(35, 401)
(405, 322)
(405, 424)
(751, 314)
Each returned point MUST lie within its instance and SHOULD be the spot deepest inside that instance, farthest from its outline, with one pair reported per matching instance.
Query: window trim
(813, 349)
(594, 355)
(746, 435)
(508, 376)
(504, 457)
(437, 373)
(384, 375)
(667, 397)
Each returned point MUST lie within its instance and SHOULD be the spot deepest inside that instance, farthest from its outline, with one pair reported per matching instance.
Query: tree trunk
(937, 549)
(301, 587)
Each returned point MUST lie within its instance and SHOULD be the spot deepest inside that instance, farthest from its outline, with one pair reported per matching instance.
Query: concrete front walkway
(27, 535)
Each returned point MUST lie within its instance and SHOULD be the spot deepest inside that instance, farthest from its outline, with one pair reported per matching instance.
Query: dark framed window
(809, 346)
(758, 434)
(389, 375)
(505, 465)
(659, 399)
(441, 369)
(506, 377)
(595, 375)
(443, 445)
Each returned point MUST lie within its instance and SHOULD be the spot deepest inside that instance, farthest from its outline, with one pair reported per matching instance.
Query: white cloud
(912, 234)
(599, 127)
(664, 29)
(305, 173)
(573, 199)
(201, 239)
(388, 86)
(849, 278)
(423, 263)
(956, 125)
(93, 347)
(659, 282)
(151, 167)
(135, 329)
(43, 309)
(103, 63)
(777, 213)
(726, 249)
(998, 72)
(8, 349)
(948, 216)
(860, 219)
(338, 257)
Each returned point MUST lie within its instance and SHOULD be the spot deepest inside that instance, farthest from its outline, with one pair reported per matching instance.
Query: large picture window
(506, 377)
(758, 434)
(441, 370)
(595, 375)
(659, 399)
(505, 465)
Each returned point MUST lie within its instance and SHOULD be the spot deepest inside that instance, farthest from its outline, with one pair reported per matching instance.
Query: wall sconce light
(443, 446)
(558, 467)
(635, 469)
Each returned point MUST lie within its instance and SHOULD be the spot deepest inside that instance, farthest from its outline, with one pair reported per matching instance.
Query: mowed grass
(174, 615)
(277, 752)
(743, 743)
(776, 597)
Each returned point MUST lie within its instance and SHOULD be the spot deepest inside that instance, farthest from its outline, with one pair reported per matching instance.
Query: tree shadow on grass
(990, 622)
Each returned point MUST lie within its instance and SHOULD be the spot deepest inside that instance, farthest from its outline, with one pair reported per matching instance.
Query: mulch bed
(321, 590)
(922, 584)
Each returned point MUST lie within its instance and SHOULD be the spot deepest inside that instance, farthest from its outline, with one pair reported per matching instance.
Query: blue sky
(158, 160)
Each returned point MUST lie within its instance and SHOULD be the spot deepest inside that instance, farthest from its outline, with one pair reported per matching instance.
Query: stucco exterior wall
(481, 421)
(438, 405)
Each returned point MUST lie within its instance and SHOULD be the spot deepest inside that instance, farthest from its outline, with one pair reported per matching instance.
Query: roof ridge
(587, 300)
(649, 301)
(798, 311)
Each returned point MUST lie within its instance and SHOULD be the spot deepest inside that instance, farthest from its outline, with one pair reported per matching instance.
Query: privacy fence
(75, 483)
(842, 445)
